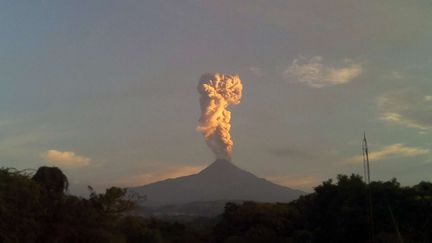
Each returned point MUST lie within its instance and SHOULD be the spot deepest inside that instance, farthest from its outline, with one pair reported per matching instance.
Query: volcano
(221, 180)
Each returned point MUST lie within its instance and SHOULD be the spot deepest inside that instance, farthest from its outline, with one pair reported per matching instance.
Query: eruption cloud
(218, 91)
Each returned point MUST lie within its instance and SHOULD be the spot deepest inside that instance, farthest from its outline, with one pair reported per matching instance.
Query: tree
(19, 206)
(52, 179)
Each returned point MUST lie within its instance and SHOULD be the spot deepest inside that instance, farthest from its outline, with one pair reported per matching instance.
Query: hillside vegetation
(37, 208)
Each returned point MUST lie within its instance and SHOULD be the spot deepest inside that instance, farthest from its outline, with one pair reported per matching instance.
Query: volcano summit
(221, 180)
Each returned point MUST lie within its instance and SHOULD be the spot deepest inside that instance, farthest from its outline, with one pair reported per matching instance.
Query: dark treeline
(36, 208)
(336, 212)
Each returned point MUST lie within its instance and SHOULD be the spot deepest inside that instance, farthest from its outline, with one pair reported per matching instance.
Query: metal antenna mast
(367, 180)
(366, 159)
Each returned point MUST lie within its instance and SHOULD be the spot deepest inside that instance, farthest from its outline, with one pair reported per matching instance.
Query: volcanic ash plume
(218, 91)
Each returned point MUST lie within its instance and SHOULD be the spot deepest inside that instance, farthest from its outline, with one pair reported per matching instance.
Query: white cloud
(315, 74)
(397, 150)
(407, 107)
(396, 118)
(158, 174)
(65, 159)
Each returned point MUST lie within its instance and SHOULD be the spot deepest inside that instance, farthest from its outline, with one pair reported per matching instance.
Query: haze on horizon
(106, 90)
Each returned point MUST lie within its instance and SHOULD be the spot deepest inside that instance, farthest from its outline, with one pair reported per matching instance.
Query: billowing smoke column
(218, 91)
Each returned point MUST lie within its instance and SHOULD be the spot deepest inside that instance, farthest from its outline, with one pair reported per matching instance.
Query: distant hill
(220, 181)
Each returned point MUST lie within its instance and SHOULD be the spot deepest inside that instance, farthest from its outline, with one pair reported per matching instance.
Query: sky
(107, 90)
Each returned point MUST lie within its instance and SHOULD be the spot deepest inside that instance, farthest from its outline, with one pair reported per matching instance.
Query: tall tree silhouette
(52, 180)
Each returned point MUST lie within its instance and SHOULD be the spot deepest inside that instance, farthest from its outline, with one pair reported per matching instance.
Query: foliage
(19, 206)
(335, 212)
(52, 180)
(38, 209)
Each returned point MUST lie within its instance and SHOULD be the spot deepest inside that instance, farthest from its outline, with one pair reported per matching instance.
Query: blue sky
(106, 90)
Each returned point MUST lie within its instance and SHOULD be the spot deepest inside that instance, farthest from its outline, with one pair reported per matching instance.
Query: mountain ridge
(221, 180)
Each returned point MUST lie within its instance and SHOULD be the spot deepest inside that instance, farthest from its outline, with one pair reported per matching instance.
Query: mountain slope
(222, 180)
